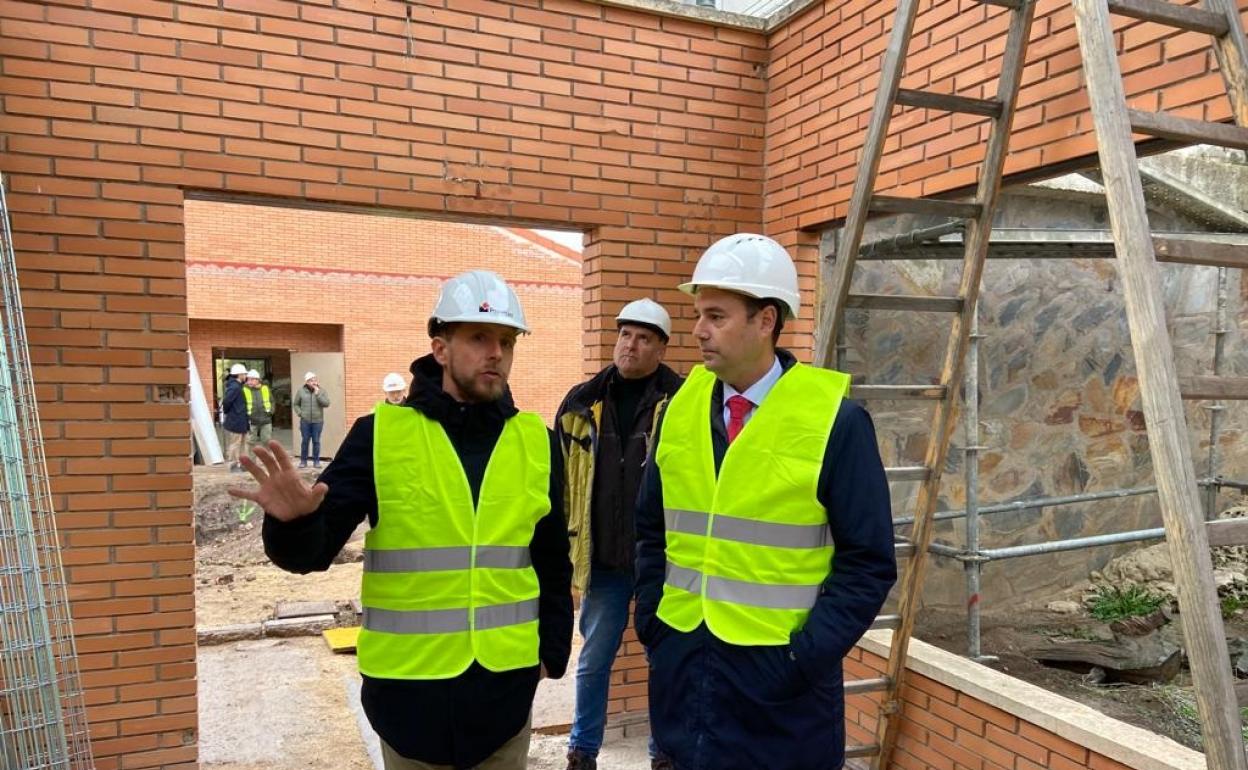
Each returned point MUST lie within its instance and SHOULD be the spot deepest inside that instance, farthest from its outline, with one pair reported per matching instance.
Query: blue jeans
(310, 432)
(604, 616)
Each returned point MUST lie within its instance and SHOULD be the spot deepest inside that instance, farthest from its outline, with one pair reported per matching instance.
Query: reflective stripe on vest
(266, 396)
(747, 550)
(446, 582)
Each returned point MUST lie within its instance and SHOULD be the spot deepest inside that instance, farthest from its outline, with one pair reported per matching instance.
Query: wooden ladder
(1158, 380)
(1186, 534)
(977, 216)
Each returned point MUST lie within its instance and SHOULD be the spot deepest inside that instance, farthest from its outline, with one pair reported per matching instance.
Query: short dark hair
(439, 329)
(755, 305)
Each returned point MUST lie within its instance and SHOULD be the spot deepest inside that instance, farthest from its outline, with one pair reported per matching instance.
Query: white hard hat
(309, 376)
(648, 313)
(393, 382)
(237, 369)
(478, 296)
(749, 264)
(253, 373)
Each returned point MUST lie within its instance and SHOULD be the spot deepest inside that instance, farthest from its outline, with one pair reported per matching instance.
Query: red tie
(738, 408)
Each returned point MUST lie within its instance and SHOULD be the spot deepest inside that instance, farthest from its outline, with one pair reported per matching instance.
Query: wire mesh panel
(42, 712)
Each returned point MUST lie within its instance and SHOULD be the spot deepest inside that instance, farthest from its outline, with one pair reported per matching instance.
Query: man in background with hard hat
(765, 541)
(394, 388)
(259, 401)
(466, 588)
(234, 416)
(604, 428)
(309, 403)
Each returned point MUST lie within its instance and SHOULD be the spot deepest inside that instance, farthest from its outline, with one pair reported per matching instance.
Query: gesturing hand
(283, 494)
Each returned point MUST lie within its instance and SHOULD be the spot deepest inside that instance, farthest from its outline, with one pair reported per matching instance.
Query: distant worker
(309, 403)
(764, 533)
(394, 388)
(467, 585)
(604, 426)
(234, 416)
(259, 400)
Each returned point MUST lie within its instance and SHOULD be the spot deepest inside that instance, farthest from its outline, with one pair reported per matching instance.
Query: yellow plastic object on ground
(341, 640)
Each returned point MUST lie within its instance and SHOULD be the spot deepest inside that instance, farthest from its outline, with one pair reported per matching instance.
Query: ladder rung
(890, 204)
(911, 98)
(898, 392)
(917, 303)
(904, 549)
(1214, 388)
(861, 751)
(907, 473)
(1185, 130)
(886, 621)
(1181, 16)
(1224, 532)
(859, 686)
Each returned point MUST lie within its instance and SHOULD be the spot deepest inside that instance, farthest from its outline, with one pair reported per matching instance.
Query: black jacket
(458, 721)
(605, 460)
(719, 706)
(234, 408)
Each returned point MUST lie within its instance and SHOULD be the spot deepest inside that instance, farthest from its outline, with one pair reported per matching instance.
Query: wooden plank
(897, 392)
(1225, 532)
(1181, 16)
(1205, 387)
(861, 751)
(1168, 438)
(1186, 130)
(1231, 51)
(907, 473)
(1184, 251)
(916, 303)
(859, 686)
(833, 304)
(889, 204)
(891, 621)
(948, 102)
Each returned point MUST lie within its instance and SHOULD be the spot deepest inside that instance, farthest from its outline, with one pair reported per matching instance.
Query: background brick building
(276, 279)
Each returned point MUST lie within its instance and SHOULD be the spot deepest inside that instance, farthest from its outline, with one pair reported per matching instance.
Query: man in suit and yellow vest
(765, 544)
(467, 583)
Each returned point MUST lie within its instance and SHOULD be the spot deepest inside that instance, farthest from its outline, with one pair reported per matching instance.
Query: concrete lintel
(1132, 746)
(712, 16)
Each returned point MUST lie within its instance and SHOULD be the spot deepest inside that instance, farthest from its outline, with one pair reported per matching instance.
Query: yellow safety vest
(446, 583)
(265, 396)
(747, 551)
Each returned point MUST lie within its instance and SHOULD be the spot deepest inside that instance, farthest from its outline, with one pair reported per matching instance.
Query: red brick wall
(644, 131)
(377, 277)
(647, 132)
(824, 68)
(944, 729)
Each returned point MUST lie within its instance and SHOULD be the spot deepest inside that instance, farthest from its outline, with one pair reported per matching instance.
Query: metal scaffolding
(42, 711)
(944, 242)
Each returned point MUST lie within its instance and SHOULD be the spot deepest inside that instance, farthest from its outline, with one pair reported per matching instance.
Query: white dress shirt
(755, 393)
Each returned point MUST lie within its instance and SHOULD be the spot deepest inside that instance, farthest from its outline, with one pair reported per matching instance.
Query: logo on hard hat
(485, 308)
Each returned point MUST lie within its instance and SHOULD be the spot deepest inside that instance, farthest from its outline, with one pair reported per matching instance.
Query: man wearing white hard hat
(259, 400)
(604, 428)
(765, 541)
(309, 403)
(466, 588)
(234, 416)
(394, 388)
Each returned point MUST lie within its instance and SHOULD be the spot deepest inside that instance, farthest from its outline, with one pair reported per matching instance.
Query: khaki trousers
(512, 755)
(235, 446)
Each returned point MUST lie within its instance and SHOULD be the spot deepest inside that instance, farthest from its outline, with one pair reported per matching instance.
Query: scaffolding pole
(1217, 407)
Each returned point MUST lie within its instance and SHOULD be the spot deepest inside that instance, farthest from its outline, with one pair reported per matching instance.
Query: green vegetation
(1112, 603)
